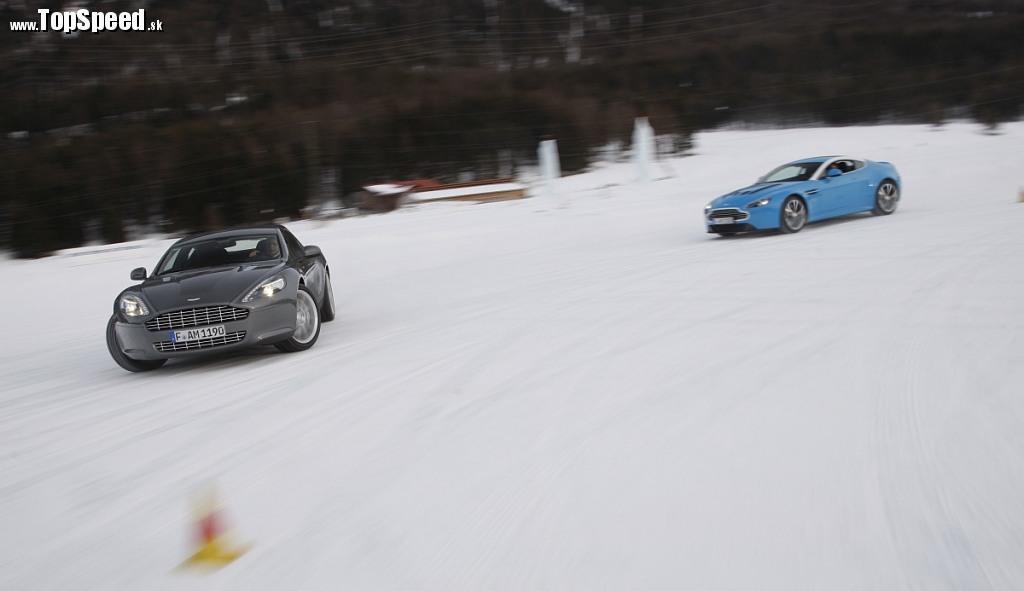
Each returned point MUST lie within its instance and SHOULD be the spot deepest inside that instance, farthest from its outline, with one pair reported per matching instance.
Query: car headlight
(267, 289)
(707, 208)
(760, 202)
(132, 306)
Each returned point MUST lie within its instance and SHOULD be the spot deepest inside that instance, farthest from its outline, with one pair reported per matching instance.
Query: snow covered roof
(387, 189)
(465, 191)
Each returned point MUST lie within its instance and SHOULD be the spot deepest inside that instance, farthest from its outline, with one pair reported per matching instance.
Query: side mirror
(311, 251)
(834, 172)
(139, 274)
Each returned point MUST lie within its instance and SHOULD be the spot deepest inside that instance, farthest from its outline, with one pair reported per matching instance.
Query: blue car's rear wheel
(887, 197)
(793, 216)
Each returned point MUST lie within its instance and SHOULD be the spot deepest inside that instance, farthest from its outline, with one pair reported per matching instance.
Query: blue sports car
(808, 190)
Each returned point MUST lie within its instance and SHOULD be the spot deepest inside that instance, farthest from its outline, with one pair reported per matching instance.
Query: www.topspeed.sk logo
(86, 20)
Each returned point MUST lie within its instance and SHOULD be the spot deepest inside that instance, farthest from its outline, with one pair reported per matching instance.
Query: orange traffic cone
(213, 547)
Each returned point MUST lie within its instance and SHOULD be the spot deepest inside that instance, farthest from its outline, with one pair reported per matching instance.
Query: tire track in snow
(493, 522)
(922, 503)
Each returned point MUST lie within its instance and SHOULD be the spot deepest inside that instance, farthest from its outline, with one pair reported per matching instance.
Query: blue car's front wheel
(793, 216)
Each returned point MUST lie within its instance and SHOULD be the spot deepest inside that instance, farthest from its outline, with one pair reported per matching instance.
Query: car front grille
(738, 215)
(196, 317)
(170, 346)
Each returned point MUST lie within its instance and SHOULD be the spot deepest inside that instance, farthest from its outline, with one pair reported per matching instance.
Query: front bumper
(735, 219)
(262, 325)
(730, 228)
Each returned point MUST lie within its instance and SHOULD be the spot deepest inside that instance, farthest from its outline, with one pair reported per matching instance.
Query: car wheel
(887, 197)
(126, 362)
(793, 216)
(307, 323)
(327, 313)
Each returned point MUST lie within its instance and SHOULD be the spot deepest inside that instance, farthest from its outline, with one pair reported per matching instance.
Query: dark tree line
(234, 111)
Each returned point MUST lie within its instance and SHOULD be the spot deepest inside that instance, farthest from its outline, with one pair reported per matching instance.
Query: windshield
(217, 252)
(796, 171)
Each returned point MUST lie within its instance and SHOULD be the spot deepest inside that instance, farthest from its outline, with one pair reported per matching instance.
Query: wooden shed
(479, 191)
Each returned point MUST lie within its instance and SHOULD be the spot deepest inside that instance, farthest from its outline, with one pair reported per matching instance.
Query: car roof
(822, 159)
(232, 232)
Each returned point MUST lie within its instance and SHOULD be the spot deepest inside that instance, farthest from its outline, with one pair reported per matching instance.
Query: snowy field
(584, 392)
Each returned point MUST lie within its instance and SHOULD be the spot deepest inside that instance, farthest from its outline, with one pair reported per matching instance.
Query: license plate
(197, 334)
(722, 220)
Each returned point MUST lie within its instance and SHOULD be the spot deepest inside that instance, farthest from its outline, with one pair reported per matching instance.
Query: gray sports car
(219, 291)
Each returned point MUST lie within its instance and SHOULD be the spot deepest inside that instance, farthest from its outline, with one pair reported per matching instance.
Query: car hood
(741, 197)
(204, 286)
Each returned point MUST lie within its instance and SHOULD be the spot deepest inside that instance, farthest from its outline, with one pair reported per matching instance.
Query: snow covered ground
(582, 393)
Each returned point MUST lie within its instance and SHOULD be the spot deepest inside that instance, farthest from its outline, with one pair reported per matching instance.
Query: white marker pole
(551, 169)
(643, 148)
